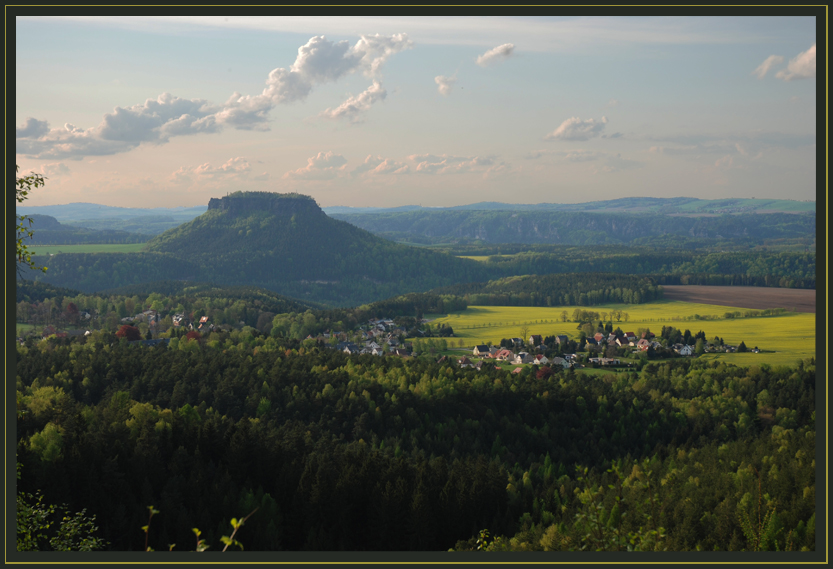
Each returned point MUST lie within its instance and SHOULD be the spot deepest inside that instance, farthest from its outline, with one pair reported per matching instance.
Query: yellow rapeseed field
(786, 338)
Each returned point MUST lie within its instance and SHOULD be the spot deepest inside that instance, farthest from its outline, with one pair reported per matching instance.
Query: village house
(687, 351)
(540, 359)
(643, 344)
(556, 361)
(465, 362)
(561, 339)
(504, 355)
(482, 350)
(522, 358)
(604, 361)
(535, 340)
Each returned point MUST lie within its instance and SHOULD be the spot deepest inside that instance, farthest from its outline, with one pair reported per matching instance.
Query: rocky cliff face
(281, 204)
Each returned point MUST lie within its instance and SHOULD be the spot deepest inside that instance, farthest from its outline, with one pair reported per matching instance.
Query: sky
(433, 111)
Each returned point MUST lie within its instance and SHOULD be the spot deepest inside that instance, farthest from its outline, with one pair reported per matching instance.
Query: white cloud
(318, 61)
(444, 84)
(768, 63)
(576, 129)
(32, 128)
(353, 107)
(613, 103)
(237, 165)
(324, 166)
(496, 55)
(374, 166)
(377, 49)
(448, 164)
(803, 66)
(232, 169)
(157, 120)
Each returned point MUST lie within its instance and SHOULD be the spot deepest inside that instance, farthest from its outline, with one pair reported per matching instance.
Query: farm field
(481, 258)
(785, 339)
(757, 297)
(87, 248)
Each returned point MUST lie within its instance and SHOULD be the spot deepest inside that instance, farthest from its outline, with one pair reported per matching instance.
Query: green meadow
(87, 248)
(23, 328)
(784, 339)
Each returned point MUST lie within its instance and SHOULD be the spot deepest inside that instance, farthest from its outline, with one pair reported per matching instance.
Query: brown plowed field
(756, 297)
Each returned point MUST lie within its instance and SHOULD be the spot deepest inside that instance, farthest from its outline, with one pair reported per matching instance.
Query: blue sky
(359, 111)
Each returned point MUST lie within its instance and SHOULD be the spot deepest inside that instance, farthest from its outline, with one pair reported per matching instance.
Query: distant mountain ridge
(90, 211)
(669, 206)
(49, 231)
(148, 221)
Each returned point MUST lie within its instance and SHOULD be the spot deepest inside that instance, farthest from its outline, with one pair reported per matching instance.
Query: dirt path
(756, 297)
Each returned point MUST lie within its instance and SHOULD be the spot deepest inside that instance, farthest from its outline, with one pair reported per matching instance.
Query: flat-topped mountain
(286, 243)
(284, 205)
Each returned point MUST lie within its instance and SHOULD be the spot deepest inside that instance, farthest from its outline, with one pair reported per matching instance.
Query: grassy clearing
(87, 248)
(24, 328)
(786, 338)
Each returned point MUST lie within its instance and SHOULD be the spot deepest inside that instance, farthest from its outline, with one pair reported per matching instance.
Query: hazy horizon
(385, 112)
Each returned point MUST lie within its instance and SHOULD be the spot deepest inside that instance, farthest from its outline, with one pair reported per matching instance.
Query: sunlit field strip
(791, 336)
(481, 258)
(87, 248)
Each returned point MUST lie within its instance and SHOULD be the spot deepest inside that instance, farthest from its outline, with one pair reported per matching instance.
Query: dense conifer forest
(366, 453)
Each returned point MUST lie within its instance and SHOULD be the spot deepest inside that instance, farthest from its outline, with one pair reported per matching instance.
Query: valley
(265, 328)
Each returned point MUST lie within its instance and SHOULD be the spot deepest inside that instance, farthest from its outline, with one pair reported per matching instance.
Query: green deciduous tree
(73, 532)
(23, 230)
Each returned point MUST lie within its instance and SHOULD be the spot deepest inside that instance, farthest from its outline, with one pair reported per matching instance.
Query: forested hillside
(584, 289)
(369, 453)
(749, 268)
(287, 245)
